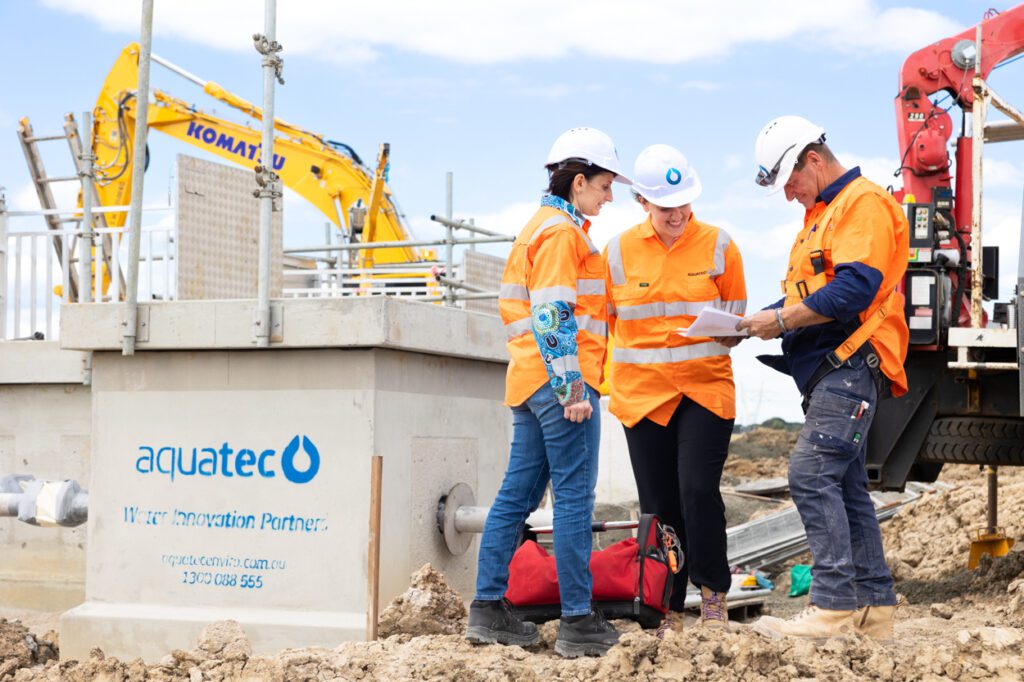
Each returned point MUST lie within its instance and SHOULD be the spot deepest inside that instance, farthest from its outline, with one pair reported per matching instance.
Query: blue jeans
(545, 446)
(829, 485)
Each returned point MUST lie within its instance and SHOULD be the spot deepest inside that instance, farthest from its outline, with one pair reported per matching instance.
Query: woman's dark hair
(561, 175)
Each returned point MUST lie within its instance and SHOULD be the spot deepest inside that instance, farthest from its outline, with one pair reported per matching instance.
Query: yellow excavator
(330, 175)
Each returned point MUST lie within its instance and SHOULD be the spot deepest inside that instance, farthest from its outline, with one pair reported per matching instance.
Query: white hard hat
(590, 145)
(664, 177)
(779, 144)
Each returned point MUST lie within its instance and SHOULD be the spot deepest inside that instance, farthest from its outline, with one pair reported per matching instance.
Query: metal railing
(34, 281)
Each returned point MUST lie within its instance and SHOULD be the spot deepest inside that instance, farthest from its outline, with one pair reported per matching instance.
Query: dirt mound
(738, 470)
(428, 607)
(760, 442)
(925, 652)
(19, 648)
(930, 540)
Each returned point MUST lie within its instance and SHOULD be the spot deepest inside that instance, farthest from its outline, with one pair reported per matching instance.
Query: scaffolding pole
(131, 320)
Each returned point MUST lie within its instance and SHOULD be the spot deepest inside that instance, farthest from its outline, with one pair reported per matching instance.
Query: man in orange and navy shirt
(844, 340)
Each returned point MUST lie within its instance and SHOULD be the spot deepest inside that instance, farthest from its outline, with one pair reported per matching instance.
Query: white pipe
(9, 504)
(178, 70)
(471, 519)
(268, 48)
(138, 170)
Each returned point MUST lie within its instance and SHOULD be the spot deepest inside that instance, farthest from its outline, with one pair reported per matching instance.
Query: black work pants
(678, 471)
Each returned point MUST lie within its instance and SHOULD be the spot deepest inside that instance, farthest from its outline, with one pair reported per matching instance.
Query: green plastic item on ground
(799, 580)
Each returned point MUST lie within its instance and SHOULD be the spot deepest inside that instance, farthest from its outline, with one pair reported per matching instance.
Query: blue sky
(482, 89)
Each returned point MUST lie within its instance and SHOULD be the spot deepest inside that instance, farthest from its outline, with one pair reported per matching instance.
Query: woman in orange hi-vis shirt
(673, 394)
(554, 307)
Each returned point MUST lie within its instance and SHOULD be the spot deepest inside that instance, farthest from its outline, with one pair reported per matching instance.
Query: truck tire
(974, 440)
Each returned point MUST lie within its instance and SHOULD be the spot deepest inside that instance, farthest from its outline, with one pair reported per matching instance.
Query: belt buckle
(834, 360)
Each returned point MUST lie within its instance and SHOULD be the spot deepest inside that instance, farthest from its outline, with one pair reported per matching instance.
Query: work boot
(714, 609)
(673, 620)
(813, 623)
(492, 622)
(875, 622)
(585, 636)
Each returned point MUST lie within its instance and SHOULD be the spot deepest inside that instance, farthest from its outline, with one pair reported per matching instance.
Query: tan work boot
(813, 623)
(714, 609)
(673, 620)
(875, 622)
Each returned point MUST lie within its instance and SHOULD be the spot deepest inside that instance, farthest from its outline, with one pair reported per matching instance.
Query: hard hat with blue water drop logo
(664, 177)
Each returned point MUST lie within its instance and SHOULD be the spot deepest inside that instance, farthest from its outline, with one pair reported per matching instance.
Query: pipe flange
(460, 495)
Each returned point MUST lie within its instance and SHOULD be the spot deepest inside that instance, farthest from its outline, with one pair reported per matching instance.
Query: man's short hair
(819, 148)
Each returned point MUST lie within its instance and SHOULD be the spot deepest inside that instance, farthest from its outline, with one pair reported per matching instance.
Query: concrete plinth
(44, 431)
(231, 483)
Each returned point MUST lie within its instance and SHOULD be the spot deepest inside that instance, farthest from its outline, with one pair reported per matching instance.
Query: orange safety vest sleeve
(732, 286)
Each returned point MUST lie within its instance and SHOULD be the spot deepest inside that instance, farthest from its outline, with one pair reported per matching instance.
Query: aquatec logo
(296, 464)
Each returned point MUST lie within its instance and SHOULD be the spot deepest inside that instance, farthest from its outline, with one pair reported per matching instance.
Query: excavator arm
(335, 182)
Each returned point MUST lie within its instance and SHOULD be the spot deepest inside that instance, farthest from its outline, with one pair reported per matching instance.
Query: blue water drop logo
(673, 176)
(288, 461)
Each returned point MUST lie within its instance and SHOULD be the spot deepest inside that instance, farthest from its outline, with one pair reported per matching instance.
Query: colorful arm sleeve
(554, 330)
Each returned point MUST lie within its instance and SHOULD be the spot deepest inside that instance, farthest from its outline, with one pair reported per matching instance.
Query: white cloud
(24, 197)
(877, 169)
(661, 31)
(998, 173)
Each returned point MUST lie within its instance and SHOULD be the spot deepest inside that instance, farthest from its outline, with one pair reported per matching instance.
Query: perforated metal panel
(218, 227)
(483, 270)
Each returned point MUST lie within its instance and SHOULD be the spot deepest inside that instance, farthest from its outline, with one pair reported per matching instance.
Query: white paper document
(713, 322)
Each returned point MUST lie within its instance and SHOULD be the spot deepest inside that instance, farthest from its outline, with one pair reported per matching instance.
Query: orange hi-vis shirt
(863, 224)
(552, 260)
(654, 290)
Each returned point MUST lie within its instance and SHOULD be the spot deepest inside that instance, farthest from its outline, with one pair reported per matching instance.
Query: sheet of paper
(713, 322)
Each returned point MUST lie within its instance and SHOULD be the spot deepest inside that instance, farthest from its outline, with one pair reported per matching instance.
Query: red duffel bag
(631, 579)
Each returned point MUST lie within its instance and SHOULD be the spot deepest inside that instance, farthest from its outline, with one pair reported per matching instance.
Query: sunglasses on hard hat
(765, 177)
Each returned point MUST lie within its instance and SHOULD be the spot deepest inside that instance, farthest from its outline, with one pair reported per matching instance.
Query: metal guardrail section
(34, 275)
(781, 536)
(334, 282)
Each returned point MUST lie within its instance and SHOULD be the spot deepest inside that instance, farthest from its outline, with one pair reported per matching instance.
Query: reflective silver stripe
(590, 287)
(552, 294)
(519, 327)
(611, 309)
(615, 268)
(734, 307)
(721, 244)
(514, 292)
(569, 363)
(550, 222)
(646, 356)
(586, 322)
(662, 309)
